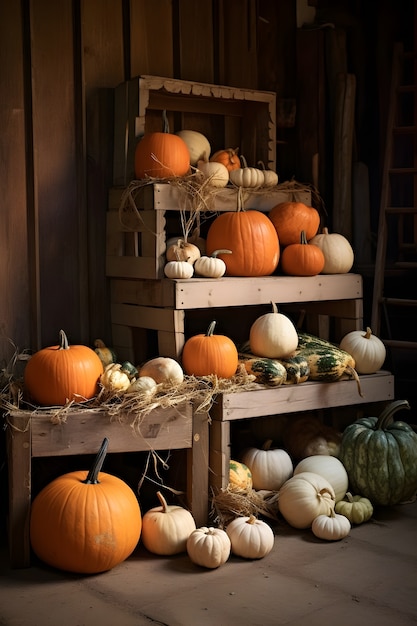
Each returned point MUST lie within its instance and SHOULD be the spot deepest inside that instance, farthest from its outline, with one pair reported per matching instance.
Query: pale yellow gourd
(270, 467)
(216, 174)
(270, 177)
(305, 496)
(166, 528)
(330, 468)
(211, 266)
(356, 508)
(273, 335)
(164, 370)
(332, 527)
(113, 379)
(209, 547)
(250, 537)
(337, 251)
(183, 251)
(143, 386)
(198, 145)
(247, 176)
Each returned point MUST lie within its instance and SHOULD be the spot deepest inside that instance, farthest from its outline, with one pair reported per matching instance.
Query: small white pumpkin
(183, 251)
(356, 508)
(209, 547)
(163, 370)
(273, 335)
(332, 527)
(211, 266)
(198, 145)
(330, 467)
(250, 537)
(166, 528)
(178, 269)
(270, 177)
(305, 496)
(270, 467)
(214, 172)
(247, 176)
(143, 386)
(337, 251)
(368, 350)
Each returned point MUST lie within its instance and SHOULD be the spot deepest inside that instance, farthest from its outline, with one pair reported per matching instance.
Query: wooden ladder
(394, 304)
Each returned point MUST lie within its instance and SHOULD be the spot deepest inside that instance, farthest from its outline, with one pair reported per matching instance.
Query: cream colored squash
(368, 350)
(209, 547)
(214, 172)
(178, 270)
(113, 379)
(330, 468)
(247, 176)
(270, 467)
(337, 251)
(273, 335)
(305, 496)
(332, 527)
(250, 537)
(183, 251)
(356, 508)
(163, 370)
(270, 177)
(143, 386)
(198, 145)
(166, 528)
(211, 266)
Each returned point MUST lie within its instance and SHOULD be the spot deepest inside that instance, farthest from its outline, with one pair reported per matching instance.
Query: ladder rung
(402, 345)
(401, 210)
(405, 130)
(406, 88)
(399, 302)
(402, 170)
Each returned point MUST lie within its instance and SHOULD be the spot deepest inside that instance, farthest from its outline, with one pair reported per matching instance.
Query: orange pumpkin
(290, 218)
(251, 237)
(228, 157)
(161, 155)
(57, 374)
(205, 355)
(85, 522)
(302, 259)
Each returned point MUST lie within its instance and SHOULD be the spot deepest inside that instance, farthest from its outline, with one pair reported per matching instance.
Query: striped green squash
(380, 457)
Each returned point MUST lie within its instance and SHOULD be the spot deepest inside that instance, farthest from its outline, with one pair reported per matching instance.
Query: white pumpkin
(368, 350)
(273, 335)
(216, 173)
(250, 537)
(198, 145)
(331, 527)
(178, 269)
(166, 528)
(270, 467)
(209, 547)
(163, 370)
(330, 467)
(305, 496)
(211, 266)
(143, 386)
(270, 177)
(247, 176)
(337, 251)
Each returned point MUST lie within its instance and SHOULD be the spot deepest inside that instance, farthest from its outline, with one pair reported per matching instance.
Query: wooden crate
(151, 317)
(229, 117)
(137, 249)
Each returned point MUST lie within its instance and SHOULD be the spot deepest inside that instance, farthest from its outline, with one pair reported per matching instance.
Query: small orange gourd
(228, 157)
(302, 259)
(205, 355)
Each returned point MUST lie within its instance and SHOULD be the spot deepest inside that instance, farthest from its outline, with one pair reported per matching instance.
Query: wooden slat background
(60, 62)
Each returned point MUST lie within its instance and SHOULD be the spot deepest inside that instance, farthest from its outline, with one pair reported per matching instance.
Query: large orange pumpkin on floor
(252, 239)
(161, 154)
(58, 374)
(290, 218)
(85, 522)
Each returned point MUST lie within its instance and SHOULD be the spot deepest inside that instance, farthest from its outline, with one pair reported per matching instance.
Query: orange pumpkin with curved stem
(290, 218)
(251, 237)
(85, 522)
(205, 355)
(228, 157)
(61, 373)
(302, 259)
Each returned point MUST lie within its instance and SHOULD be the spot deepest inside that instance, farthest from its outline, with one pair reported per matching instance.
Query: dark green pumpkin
(380, 457)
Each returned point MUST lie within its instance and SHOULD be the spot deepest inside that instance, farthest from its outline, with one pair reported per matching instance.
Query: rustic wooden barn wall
(59, 65)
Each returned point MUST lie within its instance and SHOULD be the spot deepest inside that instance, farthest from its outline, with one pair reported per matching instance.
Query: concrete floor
(368, 578)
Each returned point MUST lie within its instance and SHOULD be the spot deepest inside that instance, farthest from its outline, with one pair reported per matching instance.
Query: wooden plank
(219, 458)
(194, 42)
(148, 317)
(132, 267)
(151, 38)
(143, 292)
(197, 478)
(18, 435)
(82, 433)
(307, 396)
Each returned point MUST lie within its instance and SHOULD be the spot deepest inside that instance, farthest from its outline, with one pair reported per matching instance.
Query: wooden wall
(59, 64)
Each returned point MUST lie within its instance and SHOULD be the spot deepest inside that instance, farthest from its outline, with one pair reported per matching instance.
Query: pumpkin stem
(92, 476)
(349, 496)
(252, 519)
(63, 341)
(386, 416)
(267, 445)
(210, 329)
(368, 333)
(162, 501)
(262, 165)
(216, 252)
(303, 238)
(274, 307)
(244, 162)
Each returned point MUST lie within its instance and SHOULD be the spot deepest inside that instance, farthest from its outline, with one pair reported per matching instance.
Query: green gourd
(380, 457)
